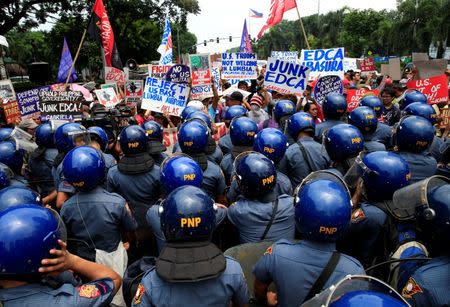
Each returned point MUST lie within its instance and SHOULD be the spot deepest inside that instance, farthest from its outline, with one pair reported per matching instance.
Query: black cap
(236, 96)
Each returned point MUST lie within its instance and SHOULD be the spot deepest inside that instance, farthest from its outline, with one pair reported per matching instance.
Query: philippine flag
(255, 14)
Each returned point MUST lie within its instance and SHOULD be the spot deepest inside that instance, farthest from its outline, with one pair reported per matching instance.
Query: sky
(225, 18)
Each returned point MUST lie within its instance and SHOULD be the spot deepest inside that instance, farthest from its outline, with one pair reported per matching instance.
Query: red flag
(100, 29)
(277, 9)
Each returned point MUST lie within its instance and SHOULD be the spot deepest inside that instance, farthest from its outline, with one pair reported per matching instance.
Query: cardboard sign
(350, 64)
(419, 56)
(164, 97)
(133, 92)
(55, 105)
(112, 85)
(158, 71)
(435, 88)
(235, 82)
(239, 66)
(366, 64)
(394, 69)
(107, 97)
(178, 74)
(7, 91)
(200, 69)
(431, 68)
(113, 74)
(206, 91)
(327, 85)
(324, 62)
(289, 56)
(11, 111)
(445, 115)
(230, 90)
(355, 96)
(28, 101)
(384, 69)
(286, 77)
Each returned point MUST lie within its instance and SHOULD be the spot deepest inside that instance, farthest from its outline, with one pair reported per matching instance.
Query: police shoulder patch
(139, 294)
(268, 251)
(358, 215)
(411, 288)
(88, 291)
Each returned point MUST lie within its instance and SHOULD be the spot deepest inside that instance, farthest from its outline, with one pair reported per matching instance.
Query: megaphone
(132, 64)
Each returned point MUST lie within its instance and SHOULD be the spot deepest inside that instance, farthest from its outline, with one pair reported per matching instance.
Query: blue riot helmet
(28, 233)
(14, 196)
(5, 178)
(234, 111)
(188, 110)
(69, 135)
(421, 109)
(201, 116)
(180, 170)
(188, 214)
(11, 155)
(256, 175)
(334, 106)
(364, 118)
(133, 140)
(373, 102)
(100, 136)
(243, 131)
(193, 137)
(414, 134)
(439, 203)
(413, 96)
(154, 130)
(44, 135)
(301, 122)
(282, 109)
(84, 168)
(342, 142)
(272, 143)
(322, 206)
(5, 134)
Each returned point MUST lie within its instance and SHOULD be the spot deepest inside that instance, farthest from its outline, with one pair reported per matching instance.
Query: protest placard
(201, 92)
(164, 97)
(112, 85)
(394, 69)
(158, 71)
(355, 96)
(113, 74)
(419, 56)
(28, 101)
(11, 111)
(327, 85)
(178, 74)
(200, 69)
(230, 90)
(235, 82)
(431, 68)
(55, 105)
(286, 77)
(435, 88)
(323, 62)
(107, 97)
(366, 64)
(445, 115)
(350, 64)
(239, 66)
(7, 90)
(80, 88)
(289, 56)
(134, 90)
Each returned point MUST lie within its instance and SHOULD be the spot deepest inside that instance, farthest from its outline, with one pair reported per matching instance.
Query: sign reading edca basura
(60, 105)
(323, 62)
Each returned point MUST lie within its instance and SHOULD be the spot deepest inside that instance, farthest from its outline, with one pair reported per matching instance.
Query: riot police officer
(5, 134)
(230, 113)
(14, 196)
(413, 96)
(334, 108)
(365, 119)
(12, 157)
(282, 110)
(99, 140)
(383, 133)
(156, 148)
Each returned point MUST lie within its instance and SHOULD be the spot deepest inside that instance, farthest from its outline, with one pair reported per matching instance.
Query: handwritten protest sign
(435, 88)
(230, 91)
(107, 97)
(289, 56)
(286, 77)
(28, 101)
(164, 97)
(327, 85)
(178, 74)
(11, 111)
(239, 66)
(113, 74)
(366, 64)
(158, 71)
(7, 90)
(206, 91)
(324, 62)
(60, 105)
(394, 69)
(133, 91)
(445, 115)
(350, 64)
(355, 96)
(235, 82)
(200, 69)
(419, 56)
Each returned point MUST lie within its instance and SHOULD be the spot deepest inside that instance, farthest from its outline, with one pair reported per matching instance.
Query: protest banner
(113, 74)
(445, 115)
(133, 91)
(350, 64)
(394, 69)
(11, 111)
(327, 85)
(158, 71)
(419, 56)
(107, 97)
(239, 66)
(201, 92)
(178, 74)
(80, 88)
(324, 62)
(435, 88)
(164, 97)
(28, 101)
(431, 68)
(286, 77)
(366, 64)
(289, 56)
(355, 96)
(7, 90)
(55, 105)
(58, 87)
(200, 69)
(235, 82)
(112, 85)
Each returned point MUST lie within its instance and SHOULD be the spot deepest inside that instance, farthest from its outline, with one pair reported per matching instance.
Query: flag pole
(75, 58)
(301, 25)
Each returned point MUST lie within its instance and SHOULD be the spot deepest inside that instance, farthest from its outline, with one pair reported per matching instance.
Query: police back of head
(44, 135)
(243, 131)
(364, 118)
(272, 143)
(234, 111)
(301, 122)
(69, 135)
(5, 134)
(16, 196)
(201, 116)
(154, 130)
(374, 103)
(188, 110)
(413, 96)
(421, 109)
(413, 134)
(334, 106)
(180, 170)
(133, 140)
(99, 135)
(343, 142)
(193, 137)
(11, 155)
(283, 109)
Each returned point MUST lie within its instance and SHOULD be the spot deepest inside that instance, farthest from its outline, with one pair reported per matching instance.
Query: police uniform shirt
(295, 267)
(227, 167)
(110, 161)
(159, 158)
(324, 126)
(213, 180)
(283, 186)
(371, 146)
(61, 184)
(421, 165)
(219, 291)
(215, 157)
(104, 214)
(92, 294)
(435, 148)
(294, 165)
(383, 134)
(154, 221)
(41, 171)
(140, 191)
(225, 144)
(251, 218)
(430, 284)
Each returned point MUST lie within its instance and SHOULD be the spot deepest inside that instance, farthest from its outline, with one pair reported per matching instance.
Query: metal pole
(76, 57)
(178, 42)
(302, 27)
